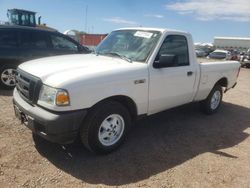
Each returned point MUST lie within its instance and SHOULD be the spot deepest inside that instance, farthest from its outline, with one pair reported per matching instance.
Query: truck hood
(60, 70)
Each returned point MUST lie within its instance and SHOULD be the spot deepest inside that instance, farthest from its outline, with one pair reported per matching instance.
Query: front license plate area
(17, 112)
(20, 115)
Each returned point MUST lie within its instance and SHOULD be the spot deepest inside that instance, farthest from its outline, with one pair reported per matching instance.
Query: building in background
(74, 34)
(232, 43)
(90, 40)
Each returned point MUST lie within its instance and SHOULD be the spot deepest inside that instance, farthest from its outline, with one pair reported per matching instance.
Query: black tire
(207, 106)
(3, 81)
(91, 126)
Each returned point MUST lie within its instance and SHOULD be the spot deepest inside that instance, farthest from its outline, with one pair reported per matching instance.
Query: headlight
(53, 96)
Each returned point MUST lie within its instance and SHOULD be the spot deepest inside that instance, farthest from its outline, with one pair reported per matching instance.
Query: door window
(33, 40)
(175, 45)
(40, 40)
(61, 43)
(25, 40)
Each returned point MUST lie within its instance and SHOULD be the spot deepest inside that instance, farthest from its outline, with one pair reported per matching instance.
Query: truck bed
(211, 71)
(206, 60)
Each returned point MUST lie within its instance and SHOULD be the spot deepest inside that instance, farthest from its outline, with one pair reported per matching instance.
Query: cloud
(119, 20)
(154, 15)
(206, 10)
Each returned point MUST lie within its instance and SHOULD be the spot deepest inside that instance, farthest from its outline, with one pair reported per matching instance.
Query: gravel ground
(178, 148)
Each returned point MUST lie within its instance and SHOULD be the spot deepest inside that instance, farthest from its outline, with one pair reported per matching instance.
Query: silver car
(220, 54)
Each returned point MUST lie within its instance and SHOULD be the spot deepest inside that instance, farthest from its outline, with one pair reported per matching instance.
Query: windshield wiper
(119, 55)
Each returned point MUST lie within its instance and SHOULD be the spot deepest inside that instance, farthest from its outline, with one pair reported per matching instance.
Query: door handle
(190, 73)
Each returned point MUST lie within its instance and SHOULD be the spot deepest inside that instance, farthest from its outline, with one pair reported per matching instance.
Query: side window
(61, 43)
(39, 40)
(31, 39)
(176, 45)
(25, 39)
(8, 39)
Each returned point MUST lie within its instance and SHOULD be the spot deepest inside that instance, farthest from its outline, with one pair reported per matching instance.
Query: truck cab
(169, 72)
(22, 17)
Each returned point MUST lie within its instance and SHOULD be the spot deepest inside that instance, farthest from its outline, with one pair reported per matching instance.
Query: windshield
(135, 45)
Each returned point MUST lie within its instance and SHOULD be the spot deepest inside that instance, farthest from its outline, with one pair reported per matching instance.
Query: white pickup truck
(133, 72)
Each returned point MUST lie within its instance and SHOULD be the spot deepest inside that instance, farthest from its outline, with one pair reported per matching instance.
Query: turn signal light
(62, 98)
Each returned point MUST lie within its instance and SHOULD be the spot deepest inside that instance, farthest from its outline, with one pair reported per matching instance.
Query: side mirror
(166, 60)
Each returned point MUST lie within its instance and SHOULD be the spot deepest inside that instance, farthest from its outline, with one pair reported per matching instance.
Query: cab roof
(7, 26)
(162, 30)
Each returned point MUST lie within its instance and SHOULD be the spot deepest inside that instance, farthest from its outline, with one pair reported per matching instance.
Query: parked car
(135, 72)
(220, 54)
(200, 53)
(245, 63)
(19, 44)
(245, 60)
(235, 55)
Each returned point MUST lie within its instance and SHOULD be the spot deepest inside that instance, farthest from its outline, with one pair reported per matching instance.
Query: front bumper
(58, 127)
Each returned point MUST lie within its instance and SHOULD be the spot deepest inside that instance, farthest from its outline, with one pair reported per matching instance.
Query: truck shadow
(155, 144)
(6, 92)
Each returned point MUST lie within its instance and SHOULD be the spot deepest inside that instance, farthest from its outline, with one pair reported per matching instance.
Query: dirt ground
(177, 148)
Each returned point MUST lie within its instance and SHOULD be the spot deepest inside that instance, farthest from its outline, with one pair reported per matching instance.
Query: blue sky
(203, 18)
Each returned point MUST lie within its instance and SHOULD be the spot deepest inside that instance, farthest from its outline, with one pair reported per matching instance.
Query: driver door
(174, 85)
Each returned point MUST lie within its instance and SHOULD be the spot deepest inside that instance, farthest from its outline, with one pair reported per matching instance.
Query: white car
(200, 53)
(134, 72)
(220, 54)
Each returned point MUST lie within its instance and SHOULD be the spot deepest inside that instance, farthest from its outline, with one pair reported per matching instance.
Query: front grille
(28, 86)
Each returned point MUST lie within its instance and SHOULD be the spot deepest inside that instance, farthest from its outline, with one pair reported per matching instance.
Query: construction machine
(24, 18)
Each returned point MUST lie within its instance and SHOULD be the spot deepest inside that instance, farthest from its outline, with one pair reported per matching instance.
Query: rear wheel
(105, 127)
(7, 77)
(212, 103)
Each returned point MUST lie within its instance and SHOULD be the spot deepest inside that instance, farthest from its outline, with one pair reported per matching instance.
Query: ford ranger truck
(134, 72)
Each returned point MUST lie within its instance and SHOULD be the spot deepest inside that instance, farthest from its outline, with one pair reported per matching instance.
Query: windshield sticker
(143, 34)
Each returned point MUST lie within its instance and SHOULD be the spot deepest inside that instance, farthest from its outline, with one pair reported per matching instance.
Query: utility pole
(86, 18)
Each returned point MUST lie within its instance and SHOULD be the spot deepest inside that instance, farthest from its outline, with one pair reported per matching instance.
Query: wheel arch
(223, 82)
(126, 101)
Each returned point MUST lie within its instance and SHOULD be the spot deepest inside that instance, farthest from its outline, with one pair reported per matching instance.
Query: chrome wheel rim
(111, 130)
(215, 100)
(8, 77)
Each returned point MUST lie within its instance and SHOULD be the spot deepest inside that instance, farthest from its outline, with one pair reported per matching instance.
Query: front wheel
(212, 103)
(105, 127)
(8, 77)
